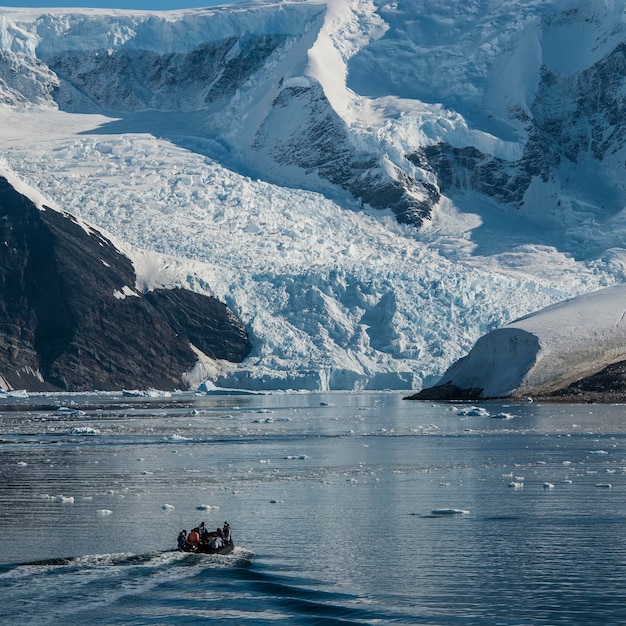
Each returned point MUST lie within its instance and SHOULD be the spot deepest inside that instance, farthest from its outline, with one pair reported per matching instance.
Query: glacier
(369, 186)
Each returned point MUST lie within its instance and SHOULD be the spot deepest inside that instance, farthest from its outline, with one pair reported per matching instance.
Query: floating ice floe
(103, 512)
(84, 430)
(548, 486)
(16, 393)
(449, 512)
(604, 485)
(70, 411)
(207, 507)
(64, 499)
(502, 416)
(298, 457)
(21, 464)
(147, 393)
(473, 411)
(516, 485)
(168, 507)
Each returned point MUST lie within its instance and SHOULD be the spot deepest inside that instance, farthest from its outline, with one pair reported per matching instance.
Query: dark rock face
(573, 117)
(607, 385)
(70, 319)
(136, 80)
(320, 144)
(468, 168)
(447, 392)
(205, 322)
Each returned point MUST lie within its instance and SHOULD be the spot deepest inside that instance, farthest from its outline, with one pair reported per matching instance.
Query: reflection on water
(330, 497)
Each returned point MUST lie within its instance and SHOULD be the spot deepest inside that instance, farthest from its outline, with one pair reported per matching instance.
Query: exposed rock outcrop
(71, 318)
(573, 117)
(136, 80)
(304, 130)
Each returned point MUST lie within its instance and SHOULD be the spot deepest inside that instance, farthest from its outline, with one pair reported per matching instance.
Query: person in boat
(193, 539)
(215, 541)
(226, 534)
(204, 533)
(182, 538)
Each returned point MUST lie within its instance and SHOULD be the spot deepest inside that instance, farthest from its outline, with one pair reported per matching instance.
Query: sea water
(355, 508)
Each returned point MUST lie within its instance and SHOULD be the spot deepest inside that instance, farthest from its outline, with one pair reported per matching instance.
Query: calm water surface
(331, 500)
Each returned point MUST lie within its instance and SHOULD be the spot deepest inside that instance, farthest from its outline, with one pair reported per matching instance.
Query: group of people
(201, 537)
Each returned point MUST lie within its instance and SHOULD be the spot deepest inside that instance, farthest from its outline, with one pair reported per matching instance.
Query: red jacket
(193, 538)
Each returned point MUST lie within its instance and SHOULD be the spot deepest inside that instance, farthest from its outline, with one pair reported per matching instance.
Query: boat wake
(238, 557)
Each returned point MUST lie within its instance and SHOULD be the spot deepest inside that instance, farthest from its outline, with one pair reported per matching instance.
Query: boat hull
(206, 550)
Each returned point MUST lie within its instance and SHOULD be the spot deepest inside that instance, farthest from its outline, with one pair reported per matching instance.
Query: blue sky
(152, 5)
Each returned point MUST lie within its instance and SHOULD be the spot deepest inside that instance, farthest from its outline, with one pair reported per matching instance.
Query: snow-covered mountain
(370, 186)
(544, 353)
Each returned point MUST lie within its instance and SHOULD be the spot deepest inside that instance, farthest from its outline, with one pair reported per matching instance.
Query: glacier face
(370, 186)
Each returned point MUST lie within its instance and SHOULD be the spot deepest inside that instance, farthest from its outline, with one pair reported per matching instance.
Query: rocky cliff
(71, 318)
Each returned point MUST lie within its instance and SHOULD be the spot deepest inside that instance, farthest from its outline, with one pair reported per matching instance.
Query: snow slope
(248, 152)
(548, 350)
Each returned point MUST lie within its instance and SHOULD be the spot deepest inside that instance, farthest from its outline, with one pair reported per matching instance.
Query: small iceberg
(84, 430)
(146, 393)
(168, 507)
(70, 411)
(473, 411)
(17, 393)
(450, 512)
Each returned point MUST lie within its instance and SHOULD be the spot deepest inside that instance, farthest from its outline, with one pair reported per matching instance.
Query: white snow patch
(125, 292)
